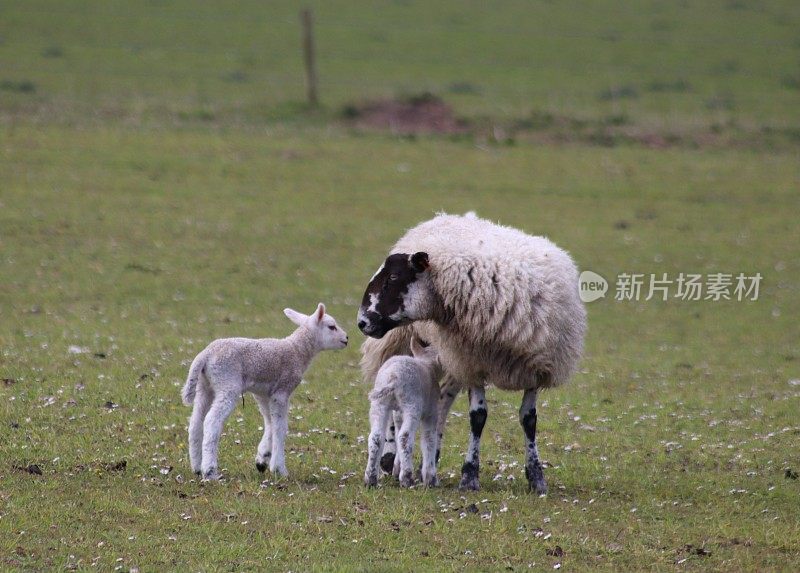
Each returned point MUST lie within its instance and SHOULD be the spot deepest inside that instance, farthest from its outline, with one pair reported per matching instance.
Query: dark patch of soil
(693, 550)
(32, 469)
(423, 113)
(119, 466)
(428, 113)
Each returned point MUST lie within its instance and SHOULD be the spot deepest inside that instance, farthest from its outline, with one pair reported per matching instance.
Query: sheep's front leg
(477, 419)
(379, 416)
(405, 448)
(533, 467)
(428, 443)
(264, 452)
(279, 416)
(222, 406)
(202, 404)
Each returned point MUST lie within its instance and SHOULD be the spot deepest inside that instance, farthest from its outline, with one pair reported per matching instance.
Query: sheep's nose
(362, 324)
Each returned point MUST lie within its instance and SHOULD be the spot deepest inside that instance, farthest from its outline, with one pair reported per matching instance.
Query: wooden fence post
(309, 57)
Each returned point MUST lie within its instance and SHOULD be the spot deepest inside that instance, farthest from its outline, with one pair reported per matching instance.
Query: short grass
(161, 186)
(669, 449)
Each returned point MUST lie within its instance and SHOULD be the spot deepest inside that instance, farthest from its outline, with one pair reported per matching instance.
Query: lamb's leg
(477, 419)
(389, 446)
(202, 403)
(379, 416)
(397, 417)
(533, 467)
(428, 444)
(279, 415)
(405, 448)
(449, 390)
(264, 452)
(222, 406)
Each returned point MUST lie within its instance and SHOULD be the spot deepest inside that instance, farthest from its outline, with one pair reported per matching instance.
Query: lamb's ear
(419, 261)
(298, 318)
(319, 313)
(416, 347)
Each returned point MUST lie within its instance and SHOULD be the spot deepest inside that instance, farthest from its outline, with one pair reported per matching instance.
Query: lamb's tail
(379, 394)
(190, 388)
(374, 352)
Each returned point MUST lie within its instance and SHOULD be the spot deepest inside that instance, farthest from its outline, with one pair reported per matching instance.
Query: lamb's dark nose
(362, 324)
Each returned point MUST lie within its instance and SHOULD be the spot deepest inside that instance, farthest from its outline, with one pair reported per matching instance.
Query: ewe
(408, 384)
(270, 369)
(500, 306)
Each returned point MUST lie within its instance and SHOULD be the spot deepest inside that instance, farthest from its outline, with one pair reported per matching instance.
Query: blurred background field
(164, 183)
(661, 63)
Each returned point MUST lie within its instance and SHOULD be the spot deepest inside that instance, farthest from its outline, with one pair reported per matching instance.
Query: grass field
(160, 62)
(161, 187)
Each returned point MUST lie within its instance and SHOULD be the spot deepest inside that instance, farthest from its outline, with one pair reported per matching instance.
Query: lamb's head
(399, 293)
(328, 334)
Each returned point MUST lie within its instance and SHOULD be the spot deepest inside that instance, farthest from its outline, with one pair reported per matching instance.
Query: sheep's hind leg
(477, 419)
(264, 453)
(533, 467)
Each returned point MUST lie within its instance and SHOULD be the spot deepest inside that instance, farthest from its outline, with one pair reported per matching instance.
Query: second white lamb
(409, 385)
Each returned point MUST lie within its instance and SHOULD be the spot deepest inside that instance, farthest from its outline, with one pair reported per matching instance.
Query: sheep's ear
(319, 313)
(419, 261)
(298, 318)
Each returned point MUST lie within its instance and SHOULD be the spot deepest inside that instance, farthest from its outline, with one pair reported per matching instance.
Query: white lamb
(408, 384)
(270, 369)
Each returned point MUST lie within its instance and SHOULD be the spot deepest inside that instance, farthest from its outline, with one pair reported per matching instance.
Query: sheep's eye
(331, 328)
(392, 277)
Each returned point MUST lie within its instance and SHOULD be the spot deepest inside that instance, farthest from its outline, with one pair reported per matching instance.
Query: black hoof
(536, 481)
(261, 467)
(469, 478)
(387, 462)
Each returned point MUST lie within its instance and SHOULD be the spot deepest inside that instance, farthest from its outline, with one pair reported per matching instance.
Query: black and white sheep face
(395, 295)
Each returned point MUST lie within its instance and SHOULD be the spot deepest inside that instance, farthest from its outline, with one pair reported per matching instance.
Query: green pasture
(140, 247)
(162, 185)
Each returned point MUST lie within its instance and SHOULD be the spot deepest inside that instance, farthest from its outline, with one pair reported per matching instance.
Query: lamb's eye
(392, 277)
(331, 328)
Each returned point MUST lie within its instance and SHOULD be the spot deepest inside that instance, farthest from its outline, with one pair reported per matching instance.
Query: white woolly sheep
(501, 307)
(408, 385)
(268, 368)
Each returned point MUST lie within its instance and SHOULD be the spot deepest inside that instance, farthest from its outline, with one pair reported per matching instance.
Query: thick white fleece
(508, 310)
